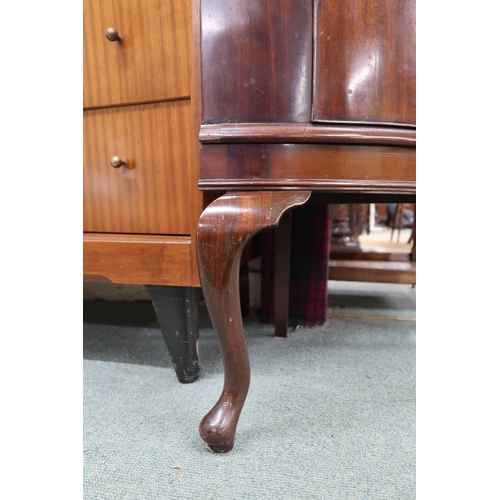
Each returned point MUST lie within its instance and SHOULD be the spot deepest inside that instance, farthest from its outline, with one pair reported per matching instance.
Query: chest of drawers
(140, 165)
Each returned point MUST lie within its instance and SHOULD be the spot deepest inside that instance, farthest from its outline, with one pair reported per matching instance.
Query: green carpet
(330, 412)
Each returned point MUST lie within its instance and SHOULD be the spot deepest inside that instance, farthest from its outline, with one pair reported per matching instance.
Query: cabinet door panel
(151, 192)
(152, 60)
(364, 62)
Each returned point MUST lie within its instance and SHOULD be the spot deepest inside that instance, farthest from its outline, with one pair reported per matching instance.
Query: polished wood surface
(292, 133)
(364, 61)
(261, 137)
(282, 250)
(152, 60)
(224, 228)
(151, 192)
(256, 60)
(331, 167)
(138, 259)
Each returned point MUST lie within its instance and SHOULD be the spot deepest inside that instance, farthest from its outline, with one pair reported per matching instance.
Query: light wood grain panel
(196, 195)
(146, 260)
(150, 63)
(151, 194)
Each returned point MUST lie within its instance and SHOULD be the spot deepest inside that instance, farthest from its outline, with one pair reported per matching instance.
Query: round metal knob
(112, 35)
(116, 162)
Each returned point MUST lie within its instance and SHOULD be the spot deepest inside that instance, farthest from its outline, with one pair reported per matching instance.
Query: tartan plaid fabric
(310, 248)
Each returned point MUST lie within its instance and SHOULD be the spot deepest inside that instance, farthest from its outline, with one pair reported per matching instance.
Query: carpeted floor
(330, 413)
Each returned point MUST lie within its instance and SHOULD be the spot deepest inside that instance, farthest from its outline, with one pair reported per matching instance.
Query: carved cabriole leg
(223, 229)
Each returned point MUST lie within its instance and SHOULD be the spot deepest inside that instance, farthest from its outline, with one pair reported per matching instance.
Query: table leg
(177, 312)
(224, 228)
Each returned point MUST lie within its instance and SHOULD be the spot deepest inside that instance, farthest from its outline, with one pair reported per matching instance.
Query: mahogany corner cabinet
(300, 102)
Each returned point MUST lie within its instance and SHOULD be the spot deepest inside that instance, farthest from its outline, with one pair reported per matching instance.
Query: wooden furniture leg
(177, 312)
(223, 230)
(282, 275)
(397, 211)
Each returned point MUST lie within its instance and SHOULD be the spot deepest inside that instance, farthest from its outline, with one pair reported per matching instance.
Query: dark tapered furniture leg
(224, 228)
(282, 275)
(177, 312)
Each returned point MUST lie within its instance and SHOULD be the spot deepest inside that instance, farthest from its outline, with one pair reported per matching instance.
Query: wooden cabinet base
(163, 264)
(138, 259)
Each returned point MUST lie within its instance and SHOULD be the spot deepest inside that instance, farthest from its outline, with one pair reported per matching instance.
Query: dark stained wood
(256, 60)
(224, 228)
(147, 194)
(364, 64)
(228, 133)
(373, 271)
(282, 275)
(317, 166)
(150, 63)
(214, 161)
(322, 197)
(137, 259)
(257, 87)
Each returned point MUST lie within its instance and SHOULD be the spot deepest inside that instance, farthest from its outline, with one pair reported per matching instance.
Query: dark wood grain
(364, 64)
(305, 133)
(256, 60)
(224, 228)
(330, 167)
(259, 95)
(282, 275)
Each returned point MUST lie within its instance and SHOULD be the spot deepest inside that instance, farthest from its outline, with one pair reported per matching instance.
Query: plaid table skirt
(310, 248)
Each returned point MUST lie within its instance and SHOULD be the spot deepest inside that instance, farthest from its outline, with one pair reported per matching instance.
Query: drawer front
(150, 193)
(143, 260)
(150, 62)
(364, 62)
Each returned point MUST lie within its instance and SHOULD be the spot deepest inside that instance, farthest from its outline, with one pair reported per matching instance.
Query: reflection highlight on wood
(150, 63)
(364, 62)
(223, 230)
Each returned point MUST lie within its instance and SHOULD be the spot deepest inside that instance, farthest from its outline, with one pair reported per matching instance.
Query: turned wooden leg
(223, 230)
(177, 312)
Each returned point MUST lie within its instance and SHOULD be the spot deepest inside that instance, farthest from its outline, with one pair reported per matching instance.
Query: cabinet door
(150, 62)
(364, 62)
(151, 192)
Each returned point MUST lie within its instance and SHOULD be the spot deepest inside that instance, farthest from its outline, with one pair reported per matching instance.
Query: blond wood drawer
(150, 194)
(152, 60)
